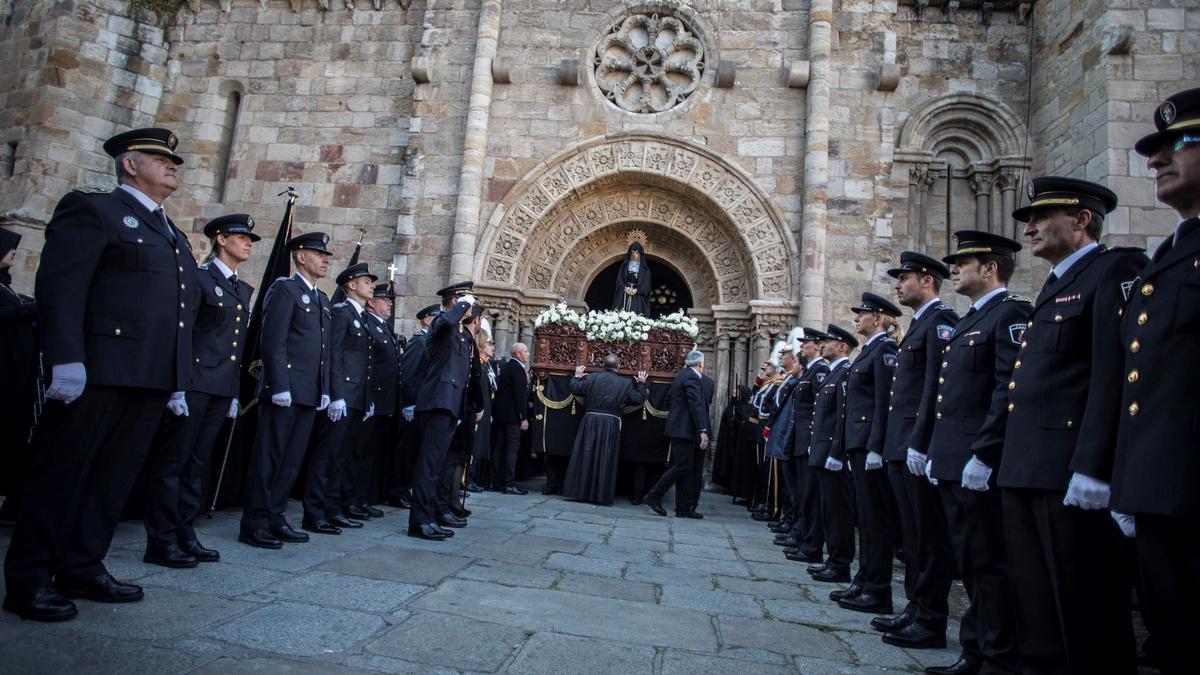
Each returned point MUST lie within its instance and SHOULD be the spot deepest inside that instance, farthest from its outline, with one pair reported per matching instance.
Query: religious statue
(633, 286)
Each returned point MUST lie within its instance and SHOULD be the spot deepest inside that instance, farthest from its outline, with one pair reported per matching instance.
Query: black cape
(592, 473)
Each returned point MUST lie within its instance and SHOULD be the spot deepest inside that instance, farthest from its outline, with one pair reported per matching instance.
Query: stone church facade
(777, 154)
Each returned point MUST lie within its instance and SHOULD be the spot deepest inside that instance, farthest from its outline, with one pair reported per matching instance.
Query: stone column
(470, 179)
(721, 377)
(740, 374)
(920, 179)
(981, 187)
(1007, 181)
(501, 334)
(816, 164)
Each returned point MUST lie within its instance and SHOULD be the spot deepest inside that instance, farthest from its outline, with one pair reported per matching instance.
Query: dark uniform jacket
(972, 390)
(914, 384)
(779, 442)
(688, 417)
(114, 293)
(446, 376)
(512, 395)
(221, 318)
(412, 365)
(864, 421)
(827, 413)
(350, 357)
(804, 400)
(1157, 466)
(385, 367)
(295, 342)
(1065, 374)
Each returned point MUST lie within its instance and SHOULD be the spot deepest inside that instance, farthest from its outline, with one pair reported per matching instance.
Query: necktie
(1051, 279)
(162, 218)
(233, 279)
(970, 311)
(1185, 228)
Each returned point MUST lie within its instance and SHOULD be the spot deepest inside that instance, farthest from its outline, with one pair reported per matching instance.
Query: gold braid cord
(556, 405)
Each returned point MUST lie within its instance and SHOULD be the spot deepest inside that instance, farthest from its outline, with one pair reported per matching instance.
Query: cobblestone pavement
(534, 585)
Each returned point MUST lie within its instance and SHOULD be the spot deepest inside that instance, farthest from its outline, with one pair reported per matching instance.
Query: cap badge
(219, 292)
(324, 239)
(1167, 112)
(305, 299)
(1030, 190)
(249, 221)
(172, 141)
(130, 222)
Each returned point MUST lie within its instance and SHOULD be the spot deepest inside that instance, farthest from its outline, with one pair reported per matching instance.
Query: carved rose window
(649, 63)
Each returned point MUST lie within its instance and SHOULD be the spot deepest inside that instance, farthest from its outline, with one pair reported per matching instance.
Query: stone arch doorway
(568, 218)
(671, 292)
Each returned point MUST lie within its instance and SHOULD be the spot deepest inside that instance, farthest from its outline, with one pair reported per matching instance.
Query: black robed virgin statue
(633, 286)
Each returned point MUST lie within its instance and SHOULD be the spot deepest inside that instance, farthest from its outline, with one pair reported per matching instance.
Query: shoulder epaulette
(202, 266)
(340, 304)
(1124, 249)
(92, 190)
(1018, 298)
(280, 279)
(943, 308)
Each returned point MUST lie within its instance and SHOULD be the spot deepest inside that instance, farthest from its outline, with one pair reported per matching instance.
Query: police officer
(929, 562)
(861, 443)
(1072, 606)
(833, 476)
(293, 388)
(412, 363)
(1156, 477)
(806, 538)
(968, 438)
(115, 293)
(441, 405)
(350, 393)
(175, 485)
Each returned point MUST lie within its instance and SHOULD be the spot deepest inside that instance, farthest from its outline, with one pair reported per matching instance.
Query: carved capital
(981, 183)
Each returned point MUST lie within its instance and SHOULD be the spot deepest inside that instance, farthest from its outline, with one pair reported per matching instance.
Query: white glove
(975, 475)
(1127, 524)
(469, 299)
(929, 472)
(67, 381)
(233, 409)
(874, 461)
(832, 464)
(178, 404)
(370, 413)
(336, 410)
(324, 402)
(1086, 493)
(916, 462)
(703, 441)
(409, 411)
(282, 399)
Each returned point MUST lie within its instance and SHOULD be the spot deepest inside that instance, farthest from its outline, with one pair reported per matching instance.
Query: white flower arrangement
(617, 326)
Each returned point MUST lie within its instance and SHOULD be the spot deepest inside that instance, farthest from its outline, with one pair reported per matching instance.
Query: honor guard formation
(1041, 450)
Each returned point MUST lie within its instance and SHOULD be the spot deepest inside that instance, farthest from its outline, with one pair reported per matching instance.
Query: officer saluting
(412, 362)
(1156, 476)
(115, 295)
(294, 386)
(968, 438)
(1072, 606)
(176, 476)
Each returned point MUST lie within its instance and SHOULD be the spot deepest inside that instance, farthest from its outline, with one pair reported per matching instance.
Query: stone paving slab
(676, 662)
(550, 654)
(509, 575)
(620, 589)
(299, 630)
(329, 589)
(448, 640)
(81, 653)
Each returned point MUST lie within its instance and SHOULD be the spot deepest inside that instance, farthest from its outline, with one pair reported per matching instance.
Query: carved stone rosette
(649, 62)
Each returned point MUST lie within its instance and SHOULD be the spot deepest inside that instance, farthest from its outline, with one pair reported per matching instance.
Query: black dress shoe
(869, 603)
(760, 516)
(852, 591)
(916, 636)
(372, 511)
(459, 510)
(200, 552)
(515, 490)
(474, 487)
(786, 541)
(451, 520)
(655, 505)
(321, 526)
(404, 502)
(959, 667)
(261, 539)
(100, 588)
(636, 501)
(342, 521)
(890, 624)
(831, 576)
(690, 514)
(815, 567)
(355, 511)
(426, 531)
(780, 528)
(287, 533)
(800, 556)
(43, 604)
(169, 556)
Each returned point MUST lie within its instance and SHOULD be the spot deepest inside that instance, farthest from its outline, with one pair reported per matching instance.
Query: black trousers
(437, 431)
(1072, 593)
(556, 470)
(698, 477)
(875, 556)
(507, 446)
(454, 467)
(837, 516)
(787, 484)
(93, 452)
(323, 484)
(929, 566)
(988, 629)
(405, 458)
(279, 447)
(362, 445)
(1169, 564)
(178, 464)
(807, 527)
(681, 463)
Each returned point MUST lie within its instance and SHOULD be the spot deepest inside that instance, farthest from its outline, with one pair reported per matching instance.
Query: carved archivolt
(687, 192)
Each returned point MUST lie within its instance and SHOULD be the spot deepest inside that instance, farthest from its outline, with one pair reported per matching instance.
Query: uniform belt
(596, 412)
(753, 420)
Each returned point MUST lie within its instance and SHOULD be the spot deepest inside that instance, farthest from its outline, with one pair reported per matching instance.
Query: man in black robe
(18, 356)
(592, 473)
(633, 289)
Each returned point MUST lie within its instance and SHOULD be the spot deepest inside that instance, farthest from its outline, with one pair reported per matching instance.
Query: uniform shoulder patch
(1018, 298)
(1016, 332)
(820, 376)
(944, 331)
(889, 360)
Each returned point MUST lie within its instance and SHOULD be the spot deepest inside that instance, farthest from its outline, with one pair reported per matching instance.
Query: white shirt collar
(917, 314)
(357, 307)
(697, 372)
(811, 363)
(1061, 268)
(223, 267)
(875, 337)
(380, 318)
(145, 201)
(838, 362)
(978, 304)
(306, 282)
